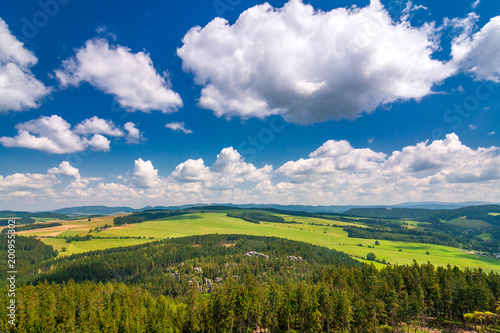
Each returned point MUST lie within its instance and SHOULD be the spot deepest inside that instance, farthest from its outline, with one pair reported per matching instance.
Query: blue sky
(324, 102)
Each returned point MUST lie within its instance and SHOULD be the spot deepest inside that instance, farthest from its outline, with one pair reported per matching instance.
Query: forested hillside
(432, 215)
(144, 216)
(170, 265)
(237, 283)
(30, 252)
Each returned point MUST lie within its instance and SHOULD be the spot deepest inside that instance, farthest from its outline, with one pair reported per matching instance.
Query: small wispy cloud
(178, 127)
(103, 30)
(472, 126)
(475, 4)
(491, 133)
(370, 140)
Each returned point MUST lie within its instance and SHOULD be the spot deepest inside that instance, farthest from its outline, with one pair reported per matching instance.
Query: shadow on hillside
(188, 217)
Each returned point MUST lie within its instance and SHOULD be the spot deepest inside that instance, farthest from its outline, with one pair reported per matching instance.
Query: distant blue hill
(441, 205)
(94, 210)
(334, 208)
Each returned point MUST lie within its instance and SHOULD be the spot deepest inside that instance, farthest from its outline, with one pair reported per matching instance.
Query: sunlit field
(332, 236)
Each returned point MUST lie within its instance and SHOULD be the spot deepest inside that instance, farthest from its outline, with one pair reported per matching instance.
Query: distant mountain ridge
(441, 205)
(105, 210)
(94, 210)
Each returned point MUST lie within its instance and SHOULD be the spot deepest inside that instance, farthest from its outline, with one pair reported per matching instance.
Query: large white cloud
(192, 171)
(145, 175)
(19, 89)
(231, 165)
(50, 134)
(228, 170)
(333, 161)
(478, 53)
(447, 161)
(54, 135)
(311, 65)
(43, 191)
(130, 77)
(20, 181)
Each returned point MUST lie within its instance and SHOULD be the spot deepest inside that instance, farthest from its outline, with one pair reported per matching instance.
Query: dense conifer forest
(30, 252)
(237, 283)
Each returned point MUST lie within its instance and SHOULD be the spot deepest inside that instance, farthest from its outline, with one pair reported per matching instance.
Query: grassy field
(209, 223)
(307, 220)
(92, 245)
(484, 236)
(80, 226)
(466, 223)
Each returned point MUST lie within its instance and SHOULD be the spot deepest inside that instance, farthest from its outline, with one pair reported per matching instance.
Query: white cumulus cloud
(178, 127)
(54, 135)
(65, 169)
(420, 172)
(145, 175)
(333, 160)
(192, 171)
(99, 142)
(130, 77)
(228, 170)
(231, 164)
(97, 125)
(50, 134)
(311, 65)
(478, 53)
(133, 133)
(27, 181)
(19, 89)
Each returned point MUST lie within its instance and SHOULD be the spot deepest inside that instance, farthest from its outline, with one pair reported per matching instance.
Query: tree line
(144, 216)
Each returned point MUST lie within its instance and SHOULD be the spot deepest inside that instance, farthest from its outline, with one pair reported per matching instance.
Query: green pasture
(92, 245)
(331, 237)
(466, 223)
(485, 236)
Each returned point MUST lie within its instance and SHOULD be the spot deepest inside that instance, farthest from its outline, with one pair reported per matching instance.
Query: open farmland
(468, 223)
(332, 236)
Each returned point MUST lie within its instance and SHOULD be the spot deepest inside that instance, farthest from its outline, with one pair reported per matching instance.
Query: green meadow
(466, 223)
(332, 236)
(92, 245)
